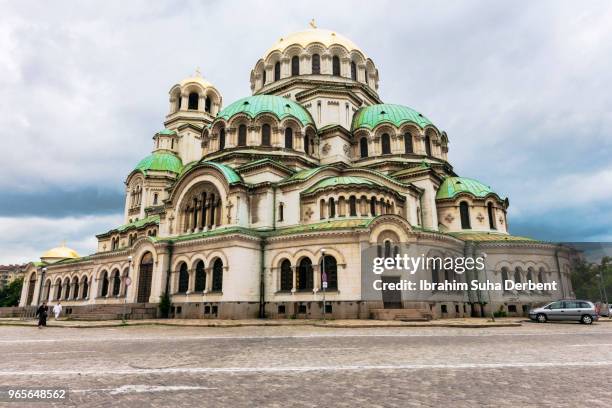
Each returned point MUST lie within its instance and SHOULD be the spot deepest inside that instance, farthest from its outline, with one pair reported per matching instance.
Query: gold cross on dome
(312, 23)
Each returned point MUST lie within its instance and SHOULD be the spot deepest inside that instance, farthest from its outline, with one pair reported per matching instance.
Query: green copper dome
(456, 185)
(372, 116)
(160, 161)
(276, 105)
(342, 180)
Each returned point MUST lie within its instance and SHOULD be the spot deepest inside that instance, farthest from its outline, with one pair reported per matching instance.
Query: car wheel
(586, 319)
(541, 318)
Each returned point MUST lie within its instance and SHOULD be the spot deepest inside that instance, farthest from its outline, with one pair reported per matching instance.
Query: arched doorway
(31, 286)
(145, 277)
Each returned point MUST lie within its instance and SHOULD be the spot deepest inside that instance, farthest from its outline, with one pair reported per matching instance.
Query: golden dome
(313, 35)
(60, 252)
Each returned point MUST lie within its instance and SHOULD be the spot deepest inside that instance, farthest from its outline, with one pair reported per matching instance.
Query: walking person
(41, 312)
(57, 310)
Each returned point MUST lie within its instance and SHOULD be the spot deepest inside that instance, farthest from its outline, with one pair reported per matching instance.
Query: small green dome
(276, 105)
(372, 116)
(456, 185)
(160, 161)
(341, 180)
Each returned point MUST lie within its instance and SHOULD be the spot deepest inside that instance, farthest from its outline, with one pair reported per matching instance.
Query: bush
(164, 305)
(500, 312)
(10, 294)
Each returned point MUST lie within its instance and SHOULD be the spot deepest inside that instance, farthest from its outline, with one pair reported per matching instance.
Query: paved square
(534, 365)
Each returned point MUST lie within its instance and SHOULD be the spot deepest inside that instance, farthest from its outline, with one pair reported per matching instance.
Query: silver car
(581, 311)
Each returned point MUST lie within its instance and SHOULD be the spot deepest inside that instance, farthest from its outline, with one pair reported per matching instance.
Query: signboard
(128, 281)
(324, 284)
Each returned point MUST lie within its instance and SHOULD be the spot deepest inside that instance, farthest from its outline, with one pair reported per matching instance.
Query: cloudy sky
(522, 88)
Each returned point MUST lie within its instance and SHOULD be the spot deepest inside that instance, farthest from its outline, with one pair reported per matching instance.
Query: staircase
(404, 315)
(134, 311)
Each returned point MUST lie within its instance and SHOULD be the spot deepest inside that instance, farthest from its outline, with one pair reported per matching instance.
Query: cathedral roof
(336, 181)
(371, 116)
(275, 105)
(160, 161)
(456, 185)
(313, 35)
(229, 173)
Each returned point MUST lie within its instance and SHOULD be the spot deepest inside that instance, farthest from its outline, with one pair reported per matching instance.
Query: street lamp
(126, 283)
(323, 280)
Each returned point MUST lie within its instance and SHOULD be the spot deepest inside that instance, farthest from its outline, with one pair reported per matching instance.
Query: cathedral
(264, 206)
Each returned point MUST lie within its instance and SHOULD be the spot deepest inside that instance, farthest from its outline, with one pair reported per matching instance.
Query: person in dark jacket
(42, 315)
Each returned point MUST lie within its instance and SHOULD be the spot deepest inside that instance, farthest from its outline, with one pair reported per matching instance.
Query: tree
(587, 282)
(10, 294)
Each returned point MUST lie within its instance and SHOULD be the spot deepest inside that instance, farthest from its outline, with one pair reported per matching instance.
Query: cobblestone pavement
(561, 365)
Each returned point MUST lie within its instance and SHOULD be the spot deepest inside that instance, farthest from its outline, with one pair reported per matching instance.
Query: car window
(570, 305)
(584, 305)
(555, 305)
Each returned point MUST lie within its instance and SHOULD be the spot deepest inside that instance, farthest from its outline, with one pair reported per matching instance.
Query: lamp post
(126, 283)
(323, 280)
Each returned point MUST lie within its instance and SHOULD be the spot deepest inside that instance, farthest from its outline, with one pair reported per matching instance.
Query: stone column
(317, 277)
(208, 286)
(294, 273)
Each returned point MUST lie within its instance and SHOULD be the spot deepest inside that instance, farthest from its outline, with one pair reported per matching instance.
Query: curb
(317, 324)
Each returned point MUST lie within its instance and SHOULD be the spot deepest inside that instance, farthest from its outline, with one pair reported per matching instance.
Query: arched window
(207, 105)
(517, 275)
(155, 197)
(295, 66)
(541, 277)
(322, 209)
(222, 139)
(304, 275)
(179, 101)
(428, 145)
(306, 144)
(200, 277)
(316, 64)
(288, 138)
(464, 212)
(353, 71)
(329, 267)
(242, 135)
(265, 135)
(217, 276)
(263, 74)
(387, 249)
(386, 143)
(435, 273)
(47, 290)
(491, 216)
(529, 274)
(105, 282)
(66, 289)
(286, 276)
(332, 207)
(193, 101)
(504, 277)
(116, 283)
(363, 147)
(373, 206)
(336, 66)
(31, 287)
(85, 287)
(58, 289)
(277, 71)
(281, 211)
(408, 149)
(183, 283)
(352, 206)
